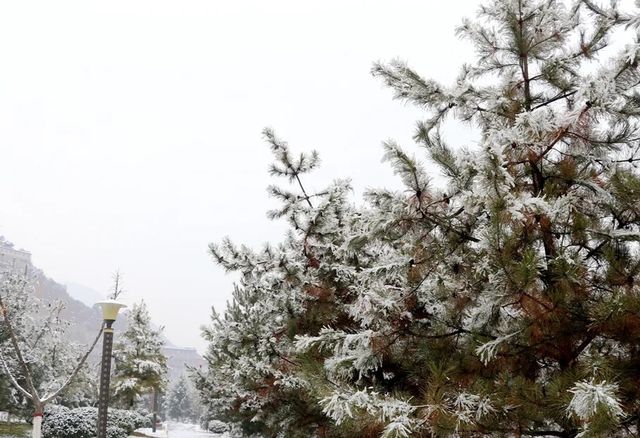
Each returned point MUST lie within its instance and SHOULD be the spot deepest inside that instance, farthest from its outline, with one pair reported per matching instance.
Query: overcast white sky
(130, 130)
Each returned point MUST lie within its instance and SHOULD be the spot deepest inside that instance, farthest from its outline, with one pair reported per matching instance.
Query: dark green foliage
(140, 364)
(506, 303)
(180, 401)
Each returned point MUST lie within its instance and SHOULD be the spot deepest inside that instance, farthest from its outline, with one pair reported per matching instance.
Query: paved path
(179, 430)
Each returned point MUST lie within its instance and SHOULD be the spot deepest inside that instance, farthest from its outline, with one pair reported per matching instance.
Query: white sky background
(130, 131)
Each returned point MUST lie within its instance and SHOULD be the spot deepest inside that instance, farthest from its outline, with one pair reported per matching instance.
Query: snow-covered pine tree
(182, 401)
(178, 401)
(504, 304)
(140, 364)
(250, 382)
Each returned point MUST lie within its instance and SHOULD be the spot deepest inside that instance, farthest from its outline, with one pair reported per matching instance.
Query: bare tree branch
(75, 372)
(23, 364)
(13, 380)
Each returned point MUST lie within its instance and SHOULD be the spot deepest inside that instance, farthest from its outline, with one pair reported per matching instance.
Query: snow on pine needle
(590, 397)
(469, 308)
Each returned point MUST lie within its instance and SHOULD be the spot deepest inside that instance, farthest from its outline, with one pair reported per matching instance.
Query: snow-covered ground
(160, 433)
(181, 430)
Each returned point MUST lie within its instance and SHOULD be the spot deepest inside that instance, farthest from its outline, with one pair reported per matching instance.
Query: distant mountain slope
(84, 322)
(80, 311)
(179, 358)
(84, 294)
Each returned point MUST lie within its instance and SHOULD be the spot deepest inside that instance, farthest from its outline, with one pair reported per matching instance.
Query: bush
(128, 420)
(217, 426)
(61, 422)
(116, 432)
(55, 409)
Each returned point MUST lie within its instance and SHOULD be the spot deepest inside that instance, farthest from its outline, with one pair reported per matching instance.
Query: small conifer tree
(140, 364)
(181, 401)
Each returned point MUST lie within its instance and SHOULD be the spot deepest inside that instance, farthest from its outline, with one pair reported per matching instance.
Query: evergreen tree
(506, 303)
(250, 383)
(140, 364)
(181, 401)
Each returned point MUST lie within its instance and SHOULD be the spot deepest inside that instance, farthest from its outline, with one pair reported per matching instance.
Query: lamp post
(110, 310)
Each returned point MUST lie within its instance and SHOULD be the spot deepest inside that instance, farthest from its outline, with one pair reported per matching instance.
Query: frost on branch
(468, 408)
(590, 398)
(394, 413)
(140, 364)
(36, 357)
(470, 307)
(351, 352)
(489, 350)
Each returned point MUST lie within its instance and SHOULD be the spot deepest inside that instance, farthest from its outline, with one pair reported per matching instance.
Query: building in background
(12, 259)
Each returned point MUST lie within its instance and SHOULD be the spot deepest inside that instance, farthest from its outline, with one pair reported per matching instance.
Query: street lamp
(110, 310)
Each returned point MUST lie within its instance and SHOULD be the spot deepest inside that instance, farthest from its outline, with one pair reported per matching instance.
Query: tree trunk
(155, 410)
(36, 431)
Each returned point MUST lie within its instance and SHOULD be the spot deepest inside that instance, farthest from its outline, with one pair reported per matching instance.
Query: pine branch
(524, 61)
(290, 169)
(304, 192)
(564, 95)
(543, 433)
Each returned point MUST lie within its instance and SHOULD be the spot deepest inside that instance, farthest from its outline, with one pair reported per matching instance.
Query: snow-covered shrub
(217, 426)
(128, 420)
(61, 422)
(55, 410)
(116, 432)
